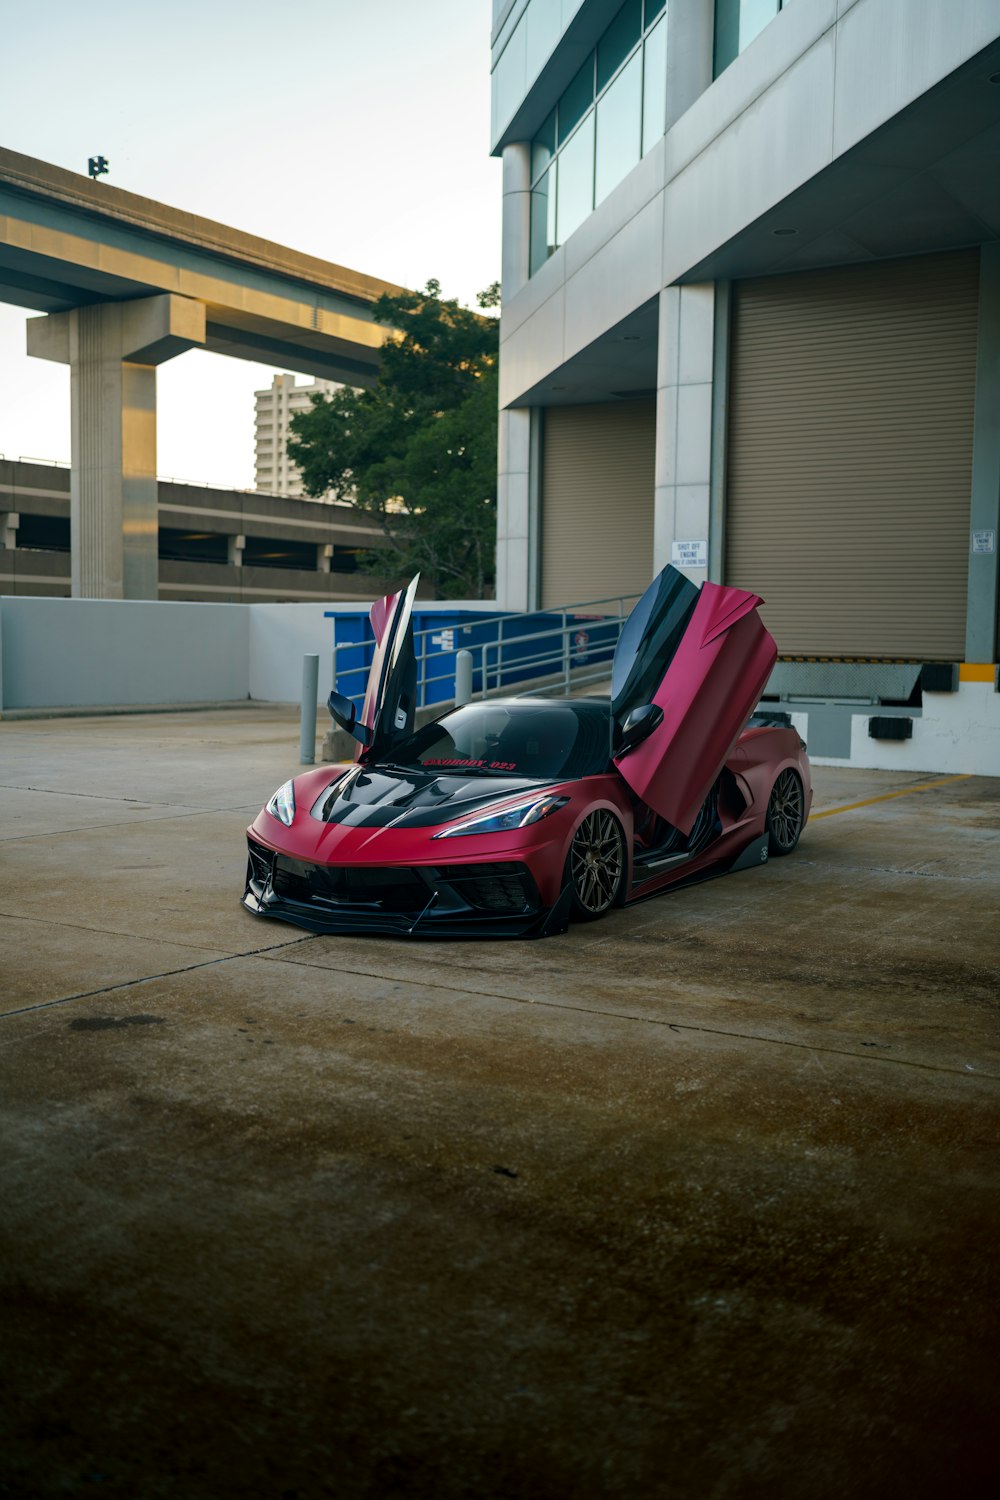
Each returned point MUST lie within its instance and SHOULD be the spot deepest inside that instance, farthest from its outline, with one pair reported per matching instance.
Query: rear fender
(761, 756)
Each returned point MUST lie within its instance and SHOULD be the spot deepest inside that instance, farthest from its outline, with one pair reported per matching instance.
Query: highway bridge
(126, 283)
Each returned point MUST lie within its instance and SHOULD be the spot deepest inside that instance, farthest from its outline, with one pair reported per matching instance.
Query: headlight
(519, 816)
(282, 804)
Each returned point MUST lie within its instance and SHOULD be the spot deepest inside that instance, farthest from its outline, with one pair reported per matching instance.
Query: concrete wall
(74, 653)
(279, 636)
(99, 653)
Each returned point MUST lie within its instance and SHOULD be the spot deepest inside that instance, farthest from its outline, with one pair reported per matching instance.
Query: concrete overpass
(127, 283)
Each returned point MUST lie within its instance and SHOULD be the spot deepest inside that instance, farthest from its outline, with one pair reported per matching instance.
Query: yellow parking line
(924, 786)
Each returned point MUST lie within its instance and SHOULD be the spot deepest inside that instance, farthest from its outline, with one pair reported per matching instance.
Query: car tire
(595, 866)
(786, 813)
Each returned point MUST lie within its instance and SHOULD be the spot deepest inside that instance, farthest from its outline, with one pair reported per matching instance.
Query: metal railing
(559, 652)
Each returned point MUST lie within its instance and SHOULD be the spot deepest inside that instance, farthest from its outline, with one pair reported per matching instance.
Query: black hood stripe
(382, 798)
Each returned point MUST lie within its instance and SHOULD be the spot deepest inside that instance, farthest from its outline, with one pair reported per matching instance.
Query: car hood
(408, 797)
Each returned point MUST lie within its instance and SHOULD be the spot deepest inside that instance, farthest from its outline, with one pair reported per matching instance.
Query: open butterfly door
(703, 656)
(388, 712)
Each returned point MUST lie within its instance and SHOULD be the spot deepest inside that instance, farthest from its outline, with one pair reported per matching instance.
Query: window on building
(263, 553)
(654, 85)
(43, 533)
(175, 545)
(619, 128)
(737, 23)
(345, 559)
(619, 41)
(611, 114)
(575, 101)
(576, 179)
(543, 218)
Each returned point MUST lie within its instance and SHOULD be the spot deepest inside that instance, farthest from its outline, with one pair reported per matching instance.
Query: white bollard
(307, 720)
(463, 678)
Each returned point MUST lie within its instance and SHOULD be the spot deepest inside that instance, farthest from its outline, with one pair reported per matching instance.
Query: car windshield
(551, 740)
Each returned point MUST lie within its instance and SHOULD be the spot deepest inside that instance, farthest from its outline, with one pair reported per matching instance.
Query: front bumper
(447, 899)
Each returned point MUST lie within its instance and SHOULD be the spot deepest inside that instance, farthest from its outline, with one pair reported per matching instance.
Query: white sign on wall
(689, 554)
(984, 541)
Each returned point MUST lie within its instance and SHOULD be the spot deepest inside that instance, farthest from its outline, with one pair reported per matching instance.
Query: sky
(354, 130)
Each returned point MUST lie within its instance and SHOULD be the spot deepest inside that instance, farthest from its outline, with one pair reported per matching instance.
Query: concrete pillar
(517, 510)
(235, 546)
(720, 431)
(981, 628)
(10, 520)
(517, 550)
(683, 470)
(516, 233)
(324, 557)
(112, 349)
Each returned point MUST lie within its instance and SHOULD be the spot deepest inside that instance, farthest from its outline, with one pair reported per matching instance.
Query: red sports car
(514, 816)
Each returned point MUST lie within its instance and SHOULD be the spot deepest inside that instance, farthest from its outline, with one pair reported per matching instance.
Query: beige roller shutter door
(597, 501)
(849, 461)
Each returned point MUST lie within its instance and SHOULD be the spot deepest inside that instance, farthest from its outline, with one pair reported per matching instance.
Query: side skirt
(752, 856)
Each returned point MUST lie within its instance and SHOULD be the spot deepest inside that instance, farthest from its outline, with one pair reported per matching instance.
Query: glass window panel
(618, 41)
(543, 219)
(576, 180)
(654, 87)
(543, 19)
(754, 16)
(577, 99)
(653, 9)
(619, 116)
(509, 79)
(727, 34)
(543, 146)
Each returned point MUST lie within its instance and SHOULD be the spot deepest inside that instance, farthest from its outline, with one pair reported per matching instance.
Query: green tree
(418, 451)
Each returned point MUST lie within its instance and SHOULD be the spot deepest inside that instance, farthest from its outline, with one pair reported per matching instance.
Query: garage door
(849, 459)
(597, 501)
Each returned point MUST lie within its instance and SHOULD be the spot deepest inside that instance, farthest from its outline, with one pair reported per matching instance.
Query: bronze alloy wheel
(785, 813)
(596, 865)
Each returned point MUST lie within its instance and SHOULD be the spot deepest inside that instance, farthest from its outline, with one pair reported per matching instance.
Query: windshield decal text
(441, 760)
(460, 761)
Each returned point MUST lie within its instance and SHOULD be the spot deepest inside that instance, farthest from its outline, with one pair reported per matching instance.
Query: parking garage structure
(213, 545)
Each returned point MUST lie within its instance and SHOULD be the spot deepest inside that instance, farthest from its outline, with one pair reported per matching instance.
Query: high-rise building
(275, 473)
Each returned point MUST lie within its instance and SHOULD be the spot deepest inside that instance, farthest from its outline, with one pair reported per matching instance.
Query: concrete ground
(699, 1202)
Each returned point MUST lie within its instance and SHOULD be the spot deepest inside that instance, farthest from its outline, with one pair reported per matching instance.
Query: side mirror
(344, 713)
(639, 725)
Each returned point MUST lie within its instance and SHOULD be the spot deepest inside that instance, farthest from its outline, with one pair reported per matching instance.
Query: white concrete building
(274, 471)
(751, 324)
